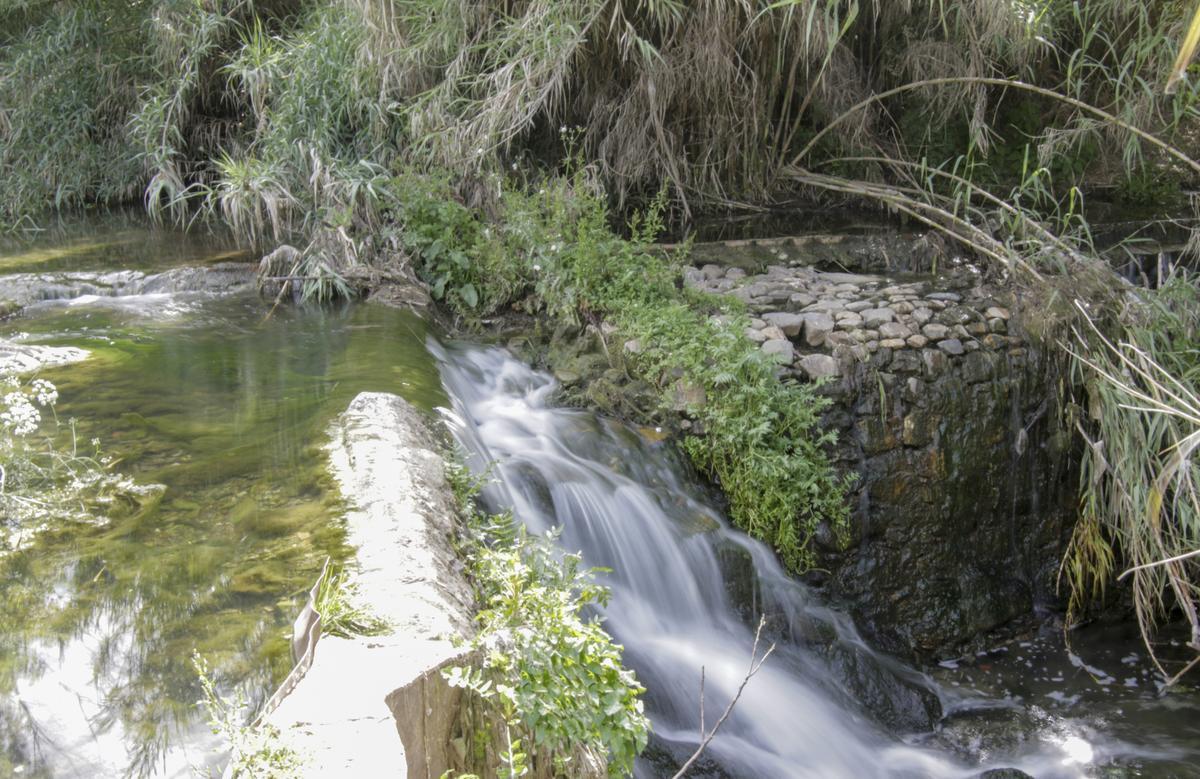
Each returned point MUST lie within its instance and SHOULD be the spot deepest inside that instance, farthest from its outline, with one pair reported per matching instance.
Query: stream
(228, 410)
(687, 590)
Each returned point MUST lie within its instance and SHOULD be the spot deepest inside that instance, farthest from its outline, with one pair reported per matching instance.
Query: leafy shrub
(549, 671)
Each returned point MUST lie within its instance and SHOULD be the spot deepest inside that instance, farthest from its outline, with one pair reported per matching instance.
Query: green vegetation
(1140, 480)
(325, 123)
(552, 251)
(339, 615)
(281, 115)
(550, 675)
(46, 482)
(255, 751)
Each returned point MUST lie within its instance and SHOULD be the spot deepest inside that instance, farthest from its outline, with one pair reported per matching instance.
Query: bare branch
(755, 664)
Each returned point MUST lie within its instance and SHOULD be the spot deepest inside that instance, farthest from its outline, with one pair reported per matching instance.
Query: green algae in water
(229, 412)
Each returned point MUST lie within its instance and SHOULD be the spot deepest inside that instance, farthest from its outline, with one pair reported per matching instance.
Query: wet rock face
(941, 407)
(23, 289)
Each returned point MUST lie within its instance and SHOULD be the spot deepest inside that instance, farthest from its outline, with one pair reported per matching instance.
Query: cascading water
(824, 704)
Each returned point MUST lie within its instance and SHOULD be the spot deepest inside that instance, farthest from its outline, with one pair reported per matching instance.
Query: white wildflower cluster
(45, 393)
(21, 416)
(43, 483)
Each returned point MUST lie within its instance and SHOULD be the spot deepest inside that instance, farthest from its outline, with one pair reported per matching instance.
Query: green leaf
(469, 295)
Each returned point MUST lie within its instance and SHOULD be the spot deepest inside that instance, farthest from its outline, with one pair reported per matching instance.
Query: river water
(98, 621)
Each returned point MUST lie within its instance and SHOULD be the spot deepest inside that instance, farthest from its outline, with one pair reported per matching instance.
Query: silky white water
(628, 505)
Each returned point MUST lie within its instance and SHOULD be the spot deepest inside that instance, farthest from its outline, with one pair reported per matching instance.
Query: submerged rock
(16, 357)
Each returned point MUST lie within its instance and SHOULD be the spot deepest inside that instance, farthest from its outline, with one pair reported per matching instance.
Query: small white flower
(563, 129)
(537, 268)
(553, 247)
(44, 392)
(21, 415)
(514, 166)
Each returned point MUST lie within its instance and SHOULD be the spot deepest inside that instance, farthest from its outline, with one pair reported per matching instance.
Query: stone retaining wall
(948, 417)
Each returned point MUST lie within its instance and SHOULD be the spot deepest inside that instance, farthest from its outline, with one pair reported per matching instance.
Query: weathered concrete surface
(17, 357)
(23, 289)
(378, 706)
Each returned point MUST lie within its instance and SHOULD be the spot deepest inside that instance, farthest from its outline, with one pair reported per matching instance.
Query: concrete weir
(378, 706)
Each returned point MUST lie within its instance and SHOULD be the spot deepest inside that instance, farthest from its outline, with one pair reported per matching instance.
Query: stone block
(817, 327)
(781, 350)
(977, 366)
(951, 346)
(935, 332)
(917, 429)
(789, 323)
(906, 361)
(819, 366)
(935, 363)
(874, 317)
(875, 435)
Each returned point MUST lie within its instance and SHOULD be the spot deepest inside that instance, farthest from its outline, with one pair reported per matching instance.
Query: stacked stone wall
(948, 415)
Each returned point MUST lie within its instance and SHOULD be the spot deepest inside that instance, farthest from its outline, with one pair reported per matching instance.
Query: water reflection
(98, 621)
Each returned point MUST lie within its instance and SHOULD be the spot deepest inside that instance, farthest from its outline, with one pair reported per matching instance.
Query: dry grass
(1141, 480)
(714, 98)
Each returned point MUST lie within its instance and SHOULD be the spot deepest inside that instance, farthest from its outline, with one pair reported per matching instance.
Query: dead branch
(755, 664)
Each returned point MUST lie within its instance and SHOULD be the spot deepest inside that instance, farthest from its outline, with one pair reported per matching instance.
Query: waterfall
(628, 505)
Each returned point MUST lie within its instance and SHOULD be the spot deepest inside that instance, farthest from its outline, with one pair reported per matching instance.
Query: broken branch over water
(756, 663)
